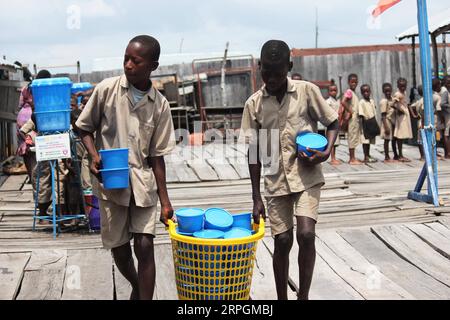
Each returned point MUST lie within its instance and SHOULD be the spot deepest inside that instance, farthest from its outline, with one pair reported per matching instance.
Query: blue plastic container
(218, 219)
(81, 87)
(114, 158)
(311, 140)
(190, 220)
(242, 220)
(53, 121)
(51, 94)
(190, 234)
(115, 178)
(237, 233)
(209, 234)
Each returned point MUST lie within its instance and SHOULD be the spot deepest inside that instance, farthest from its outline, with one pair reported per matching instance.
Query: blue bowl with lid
(190, 220)
(218, 219)
(242, 220)
(311, 140)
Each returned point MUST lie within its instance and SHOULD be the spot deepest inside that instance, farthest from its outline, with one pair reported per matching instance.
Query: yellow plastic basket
(214, 269)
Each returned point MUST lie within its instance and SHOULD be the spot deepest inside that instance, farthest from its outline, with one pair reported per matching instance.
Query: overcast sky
(55, 32)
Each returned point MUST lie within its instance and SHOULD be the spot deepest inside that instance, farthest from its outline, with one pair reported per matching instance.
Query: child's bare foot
(389, 160)
(355, 162)
(403, 159)
(335, 162)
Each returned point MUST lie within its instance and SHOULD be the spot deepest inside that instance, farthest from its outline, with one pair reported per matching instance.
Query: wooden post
(78, 71)
(413, 63)
(435, 55)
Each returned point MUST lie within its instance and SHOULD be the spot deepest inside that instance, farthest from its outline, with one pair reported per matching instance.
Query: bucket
(94, 215)
(114, 158)
(53, 121)
(51, 94)
(115, 178)
(190, 220)
(218, 219)
(311, 140)
(242, 220)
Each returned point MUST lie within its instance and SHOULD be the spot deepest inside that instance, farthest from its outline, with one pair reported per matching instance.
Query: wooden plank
(263, 280)
(88, 275)
(166, 288)
(419, 284)
(408, 246)
(326, 284)
(44, 275)
(11, 273)
(356, 270)
(184, 173)
(203, 170)
(438, 227)
(437, 241)
(13, 183)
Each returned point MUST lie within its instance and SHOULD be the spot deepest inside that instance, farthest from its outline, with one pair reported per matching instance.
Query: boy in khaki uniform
(334, 103)
(284, 108)
(367, 110)
(354, 127)
(128, 112)
(403, 128)
(445, 105)
(387, 121)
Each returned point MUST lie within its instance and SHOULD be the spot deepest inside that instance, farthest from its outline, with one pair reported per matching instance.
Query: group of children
(358, 118)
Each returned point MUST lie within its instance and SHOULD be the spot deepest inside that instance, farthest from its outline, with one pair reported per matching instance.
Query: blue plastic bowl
(237, 233)
(114, 158)
(53, 121)
(242, 220)
(218, 219)
(115, 178)
(311, 140)
(209, 234)
(190, 220)
(51, 94)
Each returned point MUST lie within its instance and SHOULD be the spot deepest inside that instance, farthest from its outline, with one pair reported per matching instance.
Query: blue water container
(218, 219)
(114, 158)
(190, 220)
(115, 178)
(51, 94)
(81, 87)
(242, 220)
(311, 140)
(51, 99)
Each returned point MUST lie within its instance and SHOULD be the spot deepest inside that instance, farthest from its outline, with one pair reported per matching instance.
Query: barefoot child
(293, 188)
(402, 130)
(418, 106)
(354, 130)
(367, 112)
(128, 112)
(387, 120)
(334, 103)
(445, 106)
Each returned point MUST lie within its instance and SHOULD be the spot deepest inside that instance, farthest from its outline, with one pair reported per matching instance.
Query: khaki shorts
(118, 223)
(281, 210)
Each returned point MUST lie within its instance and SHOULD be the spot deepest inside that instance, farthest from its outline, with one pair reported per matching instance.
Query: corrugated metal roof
(438, 22)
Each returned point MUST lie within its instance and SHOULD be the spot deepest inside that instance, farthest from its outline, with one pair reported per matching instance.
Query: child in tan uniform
(402, 130)
(387, 121)
(334, 103)
(367, 111)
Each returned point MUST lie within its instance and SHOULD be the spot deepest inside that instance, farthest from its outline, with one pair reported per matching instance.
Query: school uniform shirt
(403, 128)
(354, 127)
(367, 110)
(445, 105)
(335, 104)
(145, 128)
(386, 106)
(300, 110)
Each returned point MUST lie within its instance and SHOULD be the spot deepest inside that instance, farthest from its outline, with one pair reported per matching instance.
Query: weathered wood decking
(372, 243)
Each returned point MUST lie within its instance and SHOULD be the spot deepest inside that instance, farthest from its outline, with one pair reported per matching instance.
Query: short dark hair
(401, 80)
(331, 86)
(364, 86)
(151, 44)
(435, 83)
(352, 75)
(43, 74)
(386, 85)
(275, 51)
(297, 75)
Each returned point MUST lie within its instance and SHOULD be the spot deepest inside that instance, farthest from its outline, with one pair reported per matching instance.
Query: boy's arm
(385, 123)
(322, 156)
(255, 177)
(159, 169)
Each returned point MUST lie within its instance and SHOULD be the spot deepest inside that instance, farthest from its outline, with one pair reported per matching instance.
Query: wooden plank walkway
(372, 243)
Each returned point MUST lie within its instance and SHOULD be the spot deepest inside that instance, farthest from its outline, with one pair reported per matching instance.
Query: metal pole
(425, 57)
(78, 71)
(444, 54)
(413, 63)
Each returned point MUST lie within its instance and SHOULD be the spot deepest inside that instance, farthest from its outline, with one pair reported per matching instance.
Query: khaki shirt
(386, 106)
(300, 110)
(332, 102)
(145, 128)
(367, 109)
(403, 128)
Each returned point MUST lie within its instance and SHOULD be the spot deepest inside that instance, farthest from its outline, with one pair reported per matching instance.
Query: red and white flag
(382, 6)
